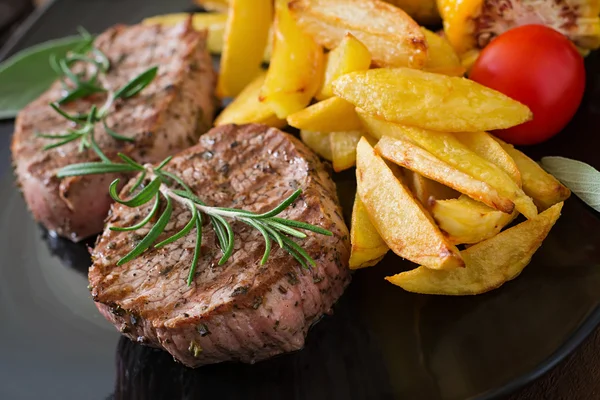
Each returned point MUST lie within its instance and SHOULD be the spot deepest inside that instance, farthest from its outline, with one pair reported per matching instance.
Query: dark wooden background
(573, 379)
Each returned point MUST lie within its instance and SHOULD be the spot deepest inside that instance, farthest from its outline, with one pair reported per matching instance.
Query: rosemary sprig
(77, 85)
(166, 187)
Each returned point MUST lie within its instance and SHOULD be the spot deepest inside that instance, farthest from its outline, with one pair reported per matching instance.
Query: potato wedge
(484, 145)
(296, 69)
(490, 263)
(441, 57)
(400, 219)
(351, 55)
(392, 37)
(544, 189)
(246, 108)
(343, 149)
(368, 248)
(319, 142)
(465, 220)
(447, 148)
(214, 23)
(331, 115)
(408, 155)
(427, 190)
(246, 36)
(430, 101)
(214, 5)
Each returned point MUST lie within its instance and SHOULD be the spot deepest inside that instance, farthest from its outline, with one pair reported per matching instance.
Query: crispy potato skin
(343, 149)
(441, 57)
(465, 220)
(544, 189)
(246, 37)
(430, 101)
(351, 55)
(392, 37)
(297, 66)
(330, 115)
(400, 219)
(318, 142)
(489, 264)
(246, 108)
(368, 248)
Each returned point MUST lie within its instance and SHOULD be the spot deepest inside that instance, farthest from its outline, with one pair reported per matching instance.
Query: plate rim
(568, 346)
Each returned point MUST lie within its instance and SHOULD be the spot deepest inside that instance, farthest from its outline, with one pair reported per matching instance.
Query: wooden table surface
(575, 378)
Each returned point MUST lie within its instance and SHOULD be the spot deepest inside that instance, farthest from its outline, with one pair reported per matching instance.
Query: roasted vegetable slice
(472, 24)
(246, 108)
(331, 115)
(489, 264)
(400, 219)
(393, 38)
(465, 220)
(423, 11)
(368, 248)
(431, 101)
(296, 68)
(246, 36)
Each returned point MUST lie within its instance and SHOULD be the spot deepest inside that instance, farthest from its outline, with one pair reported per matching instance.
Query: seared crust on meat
(166, 117)
(240, 310)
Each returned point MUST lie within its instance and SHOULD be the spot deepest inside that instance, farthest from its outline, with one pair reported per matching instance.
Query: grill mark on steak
(251, 311)
(166, 117)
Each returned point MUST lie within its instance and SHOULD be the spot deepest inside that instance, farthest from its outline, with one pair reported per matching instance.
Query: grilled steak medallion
(166, 117)
(240, 310)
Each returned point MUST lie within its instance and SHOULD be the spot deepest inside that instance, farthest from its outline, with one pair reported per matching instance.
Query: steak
(166, 117)
(240, 310)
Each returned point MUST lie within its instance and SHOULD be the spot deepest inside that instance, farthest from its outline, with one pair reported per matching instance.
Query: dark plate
(381, 342)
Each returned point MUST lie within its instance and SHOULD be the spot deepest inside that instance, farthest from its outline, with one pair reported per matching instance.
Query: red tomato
(542, 69)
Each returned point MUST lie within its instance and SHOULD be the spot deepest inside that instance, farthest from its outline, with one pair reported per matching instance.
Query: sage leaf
(581, 178)
(27, 74)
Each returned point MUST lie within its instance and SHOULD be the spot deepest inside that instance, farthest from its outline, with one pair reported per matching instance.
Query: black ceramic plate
(381, 342)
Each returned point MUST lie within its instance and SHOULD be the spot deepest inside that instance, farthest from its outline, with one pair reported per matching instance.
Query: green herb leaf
(154, 233)
(143, 222)
(197, 249)
(27, 74)
(115, 134)
(93, 168)
(186, 229)
(137, 84)
(581, 178)
(144, 196)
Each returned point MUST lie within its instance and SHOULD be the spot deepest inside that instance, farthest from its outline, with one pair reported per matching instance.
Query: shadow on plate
(341, 360)
(72, 255)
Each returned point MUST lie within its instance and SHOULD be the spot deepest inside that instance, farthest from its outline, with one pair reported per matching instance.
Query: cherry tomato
(542, 69)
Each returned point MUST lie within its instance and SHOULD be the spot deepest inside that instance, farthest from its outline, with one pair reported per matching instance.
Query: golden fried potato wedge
(246, 36)
(214, 5)
(465, 220)
(484, 145)
(427, 190)
(343, 149)
(489, 264)
(246, 108)
(319, 143)
(368, 248)
(351, 55)
(392, 37)
(331, 115)
(441, 57)
(400, 219)
(214, 23)
(296, 68)
(430, 101)
(447, 148)
(409, 155)
(544, 189)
